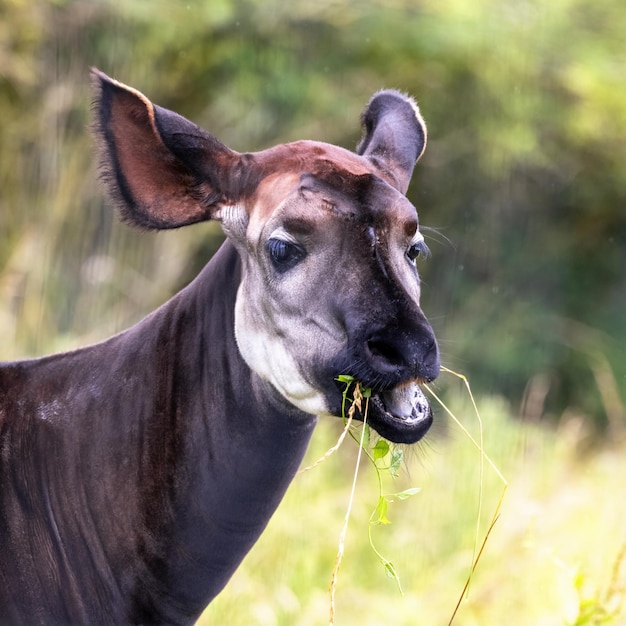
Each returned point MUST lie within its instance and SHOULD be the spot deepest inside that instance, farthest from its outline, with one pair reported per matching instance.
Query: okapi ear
(162, 170)
(394, 136)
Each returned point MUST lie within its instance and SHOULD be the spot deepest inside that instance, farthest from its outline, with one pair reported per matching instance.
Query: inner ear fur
(162, 170)
(394, 136)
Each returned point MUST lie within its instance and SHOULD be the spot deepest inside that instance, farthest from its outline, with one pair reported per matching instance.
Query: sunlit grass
(555, 555)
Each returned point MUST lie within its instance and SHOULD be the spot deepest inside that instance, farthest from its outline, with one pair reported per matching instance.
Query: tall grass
(555, 556)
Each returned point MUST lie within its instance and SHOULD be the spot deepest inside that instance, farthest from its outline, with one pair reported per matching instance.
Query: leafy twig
(377, 455)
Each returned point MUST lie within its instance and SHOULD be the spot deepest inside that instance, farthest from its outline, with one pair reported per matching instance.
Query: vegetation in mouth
(401, 414)
(384, 458)
(387, 459)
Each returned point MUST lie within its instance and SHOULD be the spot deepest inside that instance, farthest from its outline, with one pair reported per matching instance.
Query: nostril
(383, 354)
(400, 356)
(432, 364)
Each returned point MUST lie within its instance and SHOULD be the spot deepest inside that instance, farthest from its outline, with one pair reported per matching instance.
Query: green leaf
(379, 516)
(391, 572)
(345, 378)
(366, 392)
(381, 449)
(403, 495)
(397, 456)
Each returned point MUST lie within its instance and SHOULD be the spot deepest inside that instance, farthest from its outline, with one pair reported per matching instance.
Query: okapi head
(328, 242)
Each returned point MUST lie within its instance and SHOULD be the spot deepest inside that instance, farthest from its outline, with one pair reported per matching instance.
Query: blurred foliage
(522, 178)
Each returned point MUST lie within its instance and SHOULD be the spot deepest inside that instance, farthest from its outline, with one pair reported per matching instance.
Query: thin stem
(344, 530)
(483, 456)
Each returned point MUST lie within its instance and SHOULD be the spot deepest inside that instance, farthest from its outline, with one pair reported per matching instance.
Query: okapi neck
(234, 444)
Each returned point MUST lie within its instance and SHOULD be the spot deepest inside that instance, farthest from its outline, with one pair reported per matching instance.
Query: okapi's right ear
(163, 170)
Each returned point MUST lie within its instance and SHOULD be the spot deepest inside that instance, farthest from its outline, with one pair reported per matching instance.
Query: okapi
(135, 474)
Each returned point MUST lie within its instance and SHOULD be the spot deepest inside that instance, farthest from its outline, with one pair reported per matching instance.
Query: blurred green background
(522, 184)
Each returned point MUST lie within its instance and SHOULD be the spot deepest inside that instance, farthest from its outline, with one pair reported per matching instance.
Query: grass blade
(484, 457)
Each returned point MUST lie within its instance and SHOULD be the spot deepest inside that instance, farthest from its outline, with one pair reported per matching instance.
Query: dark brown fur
(136, 474)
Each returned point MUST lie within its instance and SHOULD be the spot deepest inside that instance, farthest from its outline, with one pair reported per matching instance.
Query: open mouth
(401, 414)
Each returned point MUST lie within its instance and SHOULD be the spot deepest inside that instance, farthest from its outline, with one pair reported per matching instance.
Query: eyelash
(416, 250)
(284, 254)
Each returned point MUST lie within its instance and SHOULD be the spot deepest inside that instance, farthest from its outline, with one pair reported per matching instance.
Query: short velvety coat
(135, 474)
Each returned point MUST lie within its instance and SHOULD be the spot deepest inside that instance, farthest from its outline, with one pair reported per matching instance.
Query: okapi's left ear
(394, 136)
(163, 170)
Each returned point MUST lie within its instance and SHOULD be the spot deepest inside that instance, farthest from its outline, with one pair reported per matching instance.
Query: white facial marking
(267, 354)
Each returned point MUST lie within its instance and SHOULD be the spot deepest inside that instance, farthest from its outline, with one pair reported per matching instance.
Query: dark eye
(284, 254)
(416, 249)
